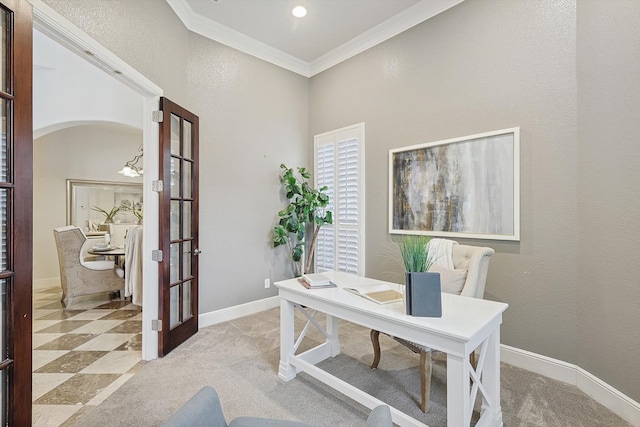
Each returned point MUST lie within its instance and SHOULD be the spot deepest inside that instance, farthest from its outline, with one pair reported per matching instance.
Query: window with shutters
(339, 165)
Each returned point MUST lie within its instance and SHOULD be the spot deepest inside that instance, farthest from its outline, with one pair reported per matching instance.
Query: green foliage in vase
(415, 252)
(305, 207)
(109, 215)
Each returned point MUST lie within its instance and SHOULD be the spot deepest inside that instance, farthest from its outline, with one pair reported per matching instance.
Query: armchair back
(474, 259)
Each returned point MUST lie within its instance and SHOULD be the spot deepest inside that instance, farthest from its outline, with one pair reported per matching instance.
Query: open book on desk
(378, 293)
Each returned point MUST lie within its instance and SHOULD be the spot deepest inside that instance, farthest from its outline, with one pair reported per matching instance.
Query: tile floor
(81, 355)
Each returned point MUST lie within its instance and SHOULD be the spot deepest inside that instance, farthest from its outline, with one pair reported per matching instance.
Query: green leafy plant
(305, 208)
(109, 215)
(415, 252)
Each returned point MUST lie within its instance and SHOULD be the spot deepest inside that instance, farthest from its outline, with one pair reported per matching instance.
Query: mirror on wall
(90, 202)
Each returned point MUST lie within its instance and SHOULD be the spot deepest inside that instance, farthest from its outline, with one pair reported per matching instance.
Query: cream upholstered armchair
(468, 278)
(79, 274)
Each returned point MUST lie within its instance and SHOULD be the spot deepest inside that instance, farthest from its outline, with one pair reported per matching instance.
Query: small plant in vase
(422, 288)
(109, 215)
(415, 252)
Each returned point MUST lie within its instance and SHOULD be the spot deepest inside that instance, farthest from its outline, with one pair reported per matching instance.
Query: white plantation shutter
(339, 165)
(325, 249)
(348, 182)
(325, 171)
(348, 251)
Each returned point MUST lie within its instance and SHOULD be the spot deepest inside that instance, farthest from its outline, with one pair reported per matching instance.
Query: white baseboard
(49, 282)
(226, 314)
(617, 402)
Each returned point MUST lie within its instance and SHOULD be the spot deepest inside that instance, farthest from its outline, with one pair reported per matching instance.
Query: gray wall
(253, 116)
(608, 155)
(488, 65)
(482, 65)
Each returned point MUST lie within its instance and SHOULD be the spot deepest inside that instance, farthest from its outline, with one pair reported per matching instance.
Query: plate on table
(101, 248)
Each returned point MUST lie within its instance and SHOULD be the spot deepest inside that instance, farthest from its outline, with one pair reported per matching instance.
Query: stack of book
(315, 281)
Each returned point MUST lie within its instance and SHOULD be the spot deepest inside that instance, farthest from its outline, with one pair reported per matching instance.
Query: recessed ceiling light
(299, 11)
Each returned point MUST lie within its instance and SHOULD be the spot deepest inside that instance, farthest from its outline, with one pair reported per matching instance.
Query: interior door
(178, 276)
(16, 210)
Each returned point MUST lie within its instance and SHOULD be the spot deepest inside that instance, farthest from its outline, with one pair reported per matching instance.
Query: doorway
(54, 26)
(147, 94)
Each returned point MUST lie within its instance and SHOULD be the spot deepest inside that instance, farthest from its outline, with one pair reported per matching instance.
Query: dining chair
(80, 275)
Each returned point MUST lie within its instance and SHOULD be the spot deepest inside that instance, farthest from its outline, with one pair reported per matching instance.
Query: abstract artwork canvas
(462, 187)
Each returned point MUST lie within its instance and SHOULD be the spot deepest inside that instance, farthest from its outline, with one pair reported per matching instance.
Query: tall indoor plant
(422, 287)
(305, 207)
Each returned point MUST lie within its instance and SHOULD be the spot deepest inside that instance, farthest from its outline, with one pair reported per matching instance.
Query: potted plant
(305, 208)
(422, 288)
(109, 215)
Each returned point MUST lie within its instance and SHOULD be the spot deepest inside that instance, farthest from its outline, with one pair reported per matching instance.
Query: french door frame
(17, 186)
(184, 302)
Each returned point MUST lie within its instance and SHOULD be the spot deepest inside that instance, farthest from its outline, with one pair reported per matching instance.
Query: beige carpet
(240, 359)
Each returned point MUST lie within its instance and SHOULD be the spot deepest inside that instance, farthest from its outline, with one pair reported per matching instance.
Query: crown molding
(410, 17)
(232, 38)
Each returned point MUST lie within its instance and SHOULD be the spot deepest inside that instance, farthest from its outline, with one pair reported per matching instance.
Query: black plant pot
(423, 298)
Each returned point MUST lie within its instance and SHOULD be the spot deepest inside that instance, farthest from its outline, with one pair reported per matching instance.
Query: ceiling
(332, 31)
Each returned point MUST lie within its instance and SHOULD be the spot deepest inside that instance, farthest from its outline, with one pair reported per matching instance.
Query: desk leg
(491, 409)
(286, 371)
(332, 338)
(458, 398)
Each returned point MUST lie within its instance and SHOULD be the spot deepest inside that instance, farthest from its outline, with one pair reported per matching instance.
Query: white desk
(466, 324)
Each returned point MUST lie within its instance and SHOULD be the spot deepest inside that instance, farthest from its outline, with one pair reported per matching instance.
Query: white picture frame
(466, 187)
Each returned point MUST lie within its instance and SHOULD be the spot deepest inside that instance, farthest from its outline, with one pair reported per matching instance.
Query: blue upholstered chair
(204, 410)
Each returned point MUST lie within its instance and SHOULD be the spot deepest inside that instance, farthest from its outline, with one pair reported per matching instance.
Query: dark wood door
(178, 276)
(16, 210)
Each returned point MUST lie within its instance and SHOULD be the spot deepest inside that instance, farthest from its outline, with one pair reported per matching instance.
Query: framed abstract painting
(466, 187)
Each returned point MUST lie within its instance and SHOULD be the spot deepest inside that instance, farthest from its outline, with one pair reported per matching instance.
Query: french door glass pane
(4, 154)
(187, 181)
(175, 220)
(175, 177)
(175, 135)
(4, 351)
(4, 194)
(186, 267)
(174, 265)
(186, 136)
(174, 306)
(4, 50)
(186, 218)
(186, 301)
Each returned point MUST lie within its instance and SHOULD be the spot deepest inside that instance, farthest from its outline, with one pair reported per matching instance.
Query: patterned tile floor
(81, 355)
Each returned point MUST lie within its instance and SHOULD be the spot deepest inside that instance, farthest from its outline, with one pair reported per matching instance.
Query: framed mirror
(88, 201)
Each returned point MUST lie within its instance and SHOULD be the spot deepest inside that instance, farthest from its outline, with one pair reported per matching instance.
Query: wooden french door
(178, 276)
(16, 210)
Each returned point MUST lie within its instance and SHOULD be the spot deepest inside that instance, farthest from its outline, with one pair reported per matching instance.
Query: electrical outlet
(267, 283)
